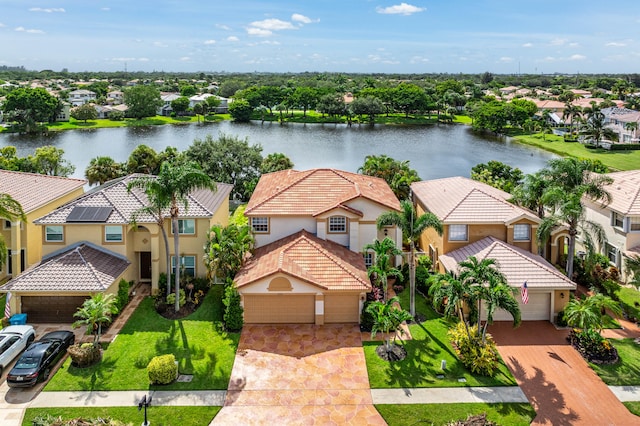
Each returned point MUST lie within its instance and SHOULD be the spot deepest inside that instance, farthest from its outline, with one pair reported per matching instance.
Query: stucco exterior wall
(280, 227)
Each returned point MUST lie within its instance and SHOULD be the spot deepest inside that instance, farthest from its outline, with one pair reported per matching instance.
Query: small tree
(381, 269)
(387, 319)
(84, 112)
(95, 312)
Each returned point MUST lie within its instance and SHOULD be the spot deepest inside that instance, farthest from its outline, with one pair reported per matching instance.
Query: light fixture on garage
(386, 232)
(561, 295)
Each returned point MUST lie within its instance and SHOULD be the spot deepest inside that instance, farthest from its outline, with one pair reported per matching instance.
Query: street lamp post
(145, 402)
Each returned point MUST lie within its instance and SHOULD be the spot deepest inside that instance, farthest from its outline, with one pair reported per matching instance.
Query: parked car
(39, 358)
(13, 340)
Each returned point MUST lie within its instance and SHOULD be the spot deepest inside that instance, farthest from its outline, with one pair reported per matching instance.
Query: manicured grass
(511, 414)
(421, 367)
(616, 160)
(157, 416)
(630, 300)
(634, 407)
(627, 371)
(201, 349)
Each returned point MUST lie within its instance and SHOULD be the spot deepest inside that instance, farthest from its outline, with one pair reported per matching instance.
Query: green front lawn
(157, 416)
(627, 371)
(512, 414)
(630, 300)
(201, 349)
(425, 351)
(616, 160)
(633, 407)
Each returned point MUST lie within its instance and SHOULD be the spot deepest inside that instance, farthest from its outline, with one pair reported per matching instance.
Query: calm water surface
(434, 151)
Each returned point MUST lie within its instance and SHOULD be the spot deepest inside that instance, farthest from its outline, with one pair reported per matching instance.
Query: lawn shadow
(94, 376)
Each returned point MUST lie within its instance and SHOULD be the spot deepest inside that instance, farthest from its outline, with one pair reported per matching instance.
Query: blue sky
(364, 36)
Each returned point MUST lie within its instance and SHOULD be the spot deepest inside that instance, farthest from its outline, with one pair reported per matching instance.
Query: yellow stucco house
(89, 244)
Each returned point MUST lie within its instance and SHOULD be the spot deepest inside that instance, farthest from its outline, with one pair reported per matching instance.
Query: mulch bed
(397, 352)
(168, 311)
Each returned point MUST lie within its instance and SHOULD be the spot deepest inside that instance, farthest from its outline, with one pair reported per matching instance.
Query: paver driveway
(557, 381)
(299, 374)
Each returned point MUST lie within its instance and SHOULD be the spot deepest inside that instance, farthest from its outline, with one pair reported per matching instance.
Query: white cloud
(223, 27)
(616, 44)
(296, 17)
(49, 10)
(558, 41)
(209, 42)
(105, 9)
(1, 25)
(527, 45)
(273, 25)
(233, 38)
(400, 9)
(506, 59)
(123, 59)
(418, 59)
(30, 31)
(185, 59)
(258, 32)
(577, 58)
(143, 59)
(160, 44)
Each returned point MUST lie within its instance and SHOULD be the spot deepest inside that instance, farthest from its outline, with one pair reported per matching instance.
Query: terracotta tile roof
(202, 203)
(33, 191)
(625, 191)
(516, 264)
(322, 263)
(633, 252)
(81, 267)
(462, 200)
(315, 191)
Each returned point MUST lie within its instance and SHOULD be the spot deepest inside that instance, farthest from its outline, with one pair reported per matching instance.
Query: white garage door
(538, 308)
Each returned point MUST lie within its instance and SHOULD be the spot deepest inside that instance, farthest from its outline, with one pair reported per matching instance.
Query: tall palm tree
(103, 169)
(381, 268)
(595, 128)
(529, 193)
(226, 248)
(570, 181)
(632, 126)
(588, 314)
(452, 294)
(174, 183)
(95, 312)
(570, 112)
(412, 227)
(10, 209)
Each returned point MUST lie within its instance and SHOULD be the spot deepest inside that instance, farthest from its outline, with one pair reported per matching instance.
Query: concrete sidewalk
(128, 398)
(448, 395)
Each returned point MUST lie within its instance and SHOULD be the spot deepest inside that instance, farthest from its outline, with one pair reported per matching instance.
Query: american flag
(524, 293)
(7, 307)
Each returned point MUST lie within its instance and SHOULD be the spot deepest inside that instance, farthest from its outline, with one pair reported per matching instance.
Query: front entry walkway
(557, 381)
(299, 374)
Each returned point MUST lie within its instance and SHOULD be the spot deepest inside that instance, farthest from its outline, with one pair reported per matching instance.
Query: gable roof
(463, 200)
(312, 192)
(80, 267)
(516, 264)
(114, 195)
(625, 192)
(33, 190)
(322, 263)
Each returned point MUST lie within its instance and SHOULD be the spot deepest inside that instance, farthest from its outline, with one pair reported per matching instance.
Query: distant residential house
(620, 219)
(198, 99)
(81, 96)
(479, 221)
(115, 97)
(64, 113)
(311, 228)
(165, 109)
(621, 121)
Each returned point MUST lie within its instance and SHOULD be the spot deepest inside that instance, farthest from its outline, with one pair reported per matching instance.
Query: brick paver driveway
(557, 381)
(299, 374)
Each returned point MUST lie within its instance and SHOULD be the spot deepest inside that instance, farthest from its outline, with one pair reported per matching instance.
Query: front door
(145, 266)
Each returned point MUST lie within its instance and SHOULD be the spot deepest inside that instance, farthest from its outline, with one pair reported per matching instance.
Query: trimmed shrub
(479, 358)
(116, 115)
(233, 318)
(162, 369)
(171, 299)
(366, 318)
(84, 355)
(122, 297)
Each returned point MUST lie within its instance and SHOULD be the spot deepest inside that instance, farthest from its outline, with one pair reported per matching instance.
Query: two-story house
(478, 220)
(311, 228)
(620, 219)
(81, 96)
(90, 243)
(38, 195)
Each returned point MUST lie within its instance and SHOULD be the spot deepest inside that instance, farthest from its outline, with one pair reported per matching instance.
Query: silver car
(13, 340)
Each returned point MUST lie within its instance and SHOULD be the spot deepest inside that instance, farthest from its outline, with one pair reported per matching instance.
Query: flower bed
(593, 347)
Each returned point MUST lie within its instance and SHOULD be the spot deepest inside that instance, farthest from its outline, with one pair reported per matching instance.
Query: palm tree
(95, 312)
(570, 112)
(387, 318)
(173, 184)
(595, 128)
(529, 193)
(452, 294)
(631, 126)
(570, 181)
(103, 169)
(412, 227)
(588, 313)
(633, 267)
(381, 268)
(10, 209)
(226, 249)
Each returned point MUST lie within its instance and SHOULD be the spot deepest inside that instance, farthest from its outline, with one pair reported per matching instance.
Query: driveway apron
(557, 381)
(299, 374)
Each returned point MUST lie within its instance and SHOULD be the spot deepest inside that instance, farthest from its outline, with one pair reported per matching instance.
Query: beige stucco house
(311, 228)
(100, 222)
(38, 195)
(478, 220)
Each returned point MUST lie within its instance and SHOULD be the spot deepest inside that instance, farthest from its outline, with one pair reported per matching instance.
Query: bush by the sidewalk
(84, 355)
(162, 369)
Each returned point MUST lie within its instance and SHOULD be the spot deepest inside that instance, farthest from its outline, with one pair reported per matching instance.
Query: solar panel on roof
(89, 214)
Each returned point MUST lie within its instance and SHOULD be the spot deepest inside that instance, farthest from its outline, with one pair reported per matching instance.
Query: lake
(434, 151)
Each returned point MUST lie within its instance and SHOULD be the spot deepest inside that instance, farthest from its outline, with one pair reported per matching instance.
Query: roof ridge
(17, 172)
(302, 174)
(87, 265)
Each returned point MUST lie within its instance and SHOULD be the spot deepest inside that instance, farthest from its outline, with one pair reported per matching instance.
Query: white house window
(337, 224)
(54, 233)
(612, 253)
(634, 223)
(617, 220)
(113, 234)
(368, 258)
(7, 224)
(187, 226)
(260, 225)
(522, 232)
(187, 265)
(458, 233)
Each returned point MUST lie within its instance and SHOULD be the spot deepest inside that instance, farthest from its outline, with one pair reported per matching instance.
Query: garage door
(53, 309)
(538, 308)
(279, 309)
(341, 308)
